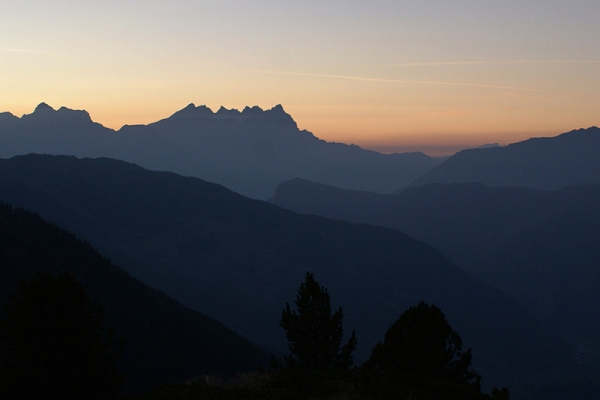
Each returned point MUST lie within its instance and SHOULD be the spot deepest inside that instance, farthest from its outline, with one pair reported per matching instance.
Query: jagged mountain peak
(252, 111)
(279, 111)
(278, 108)
(189, 107)
(46, 114)
(224, 112)
(191, 111)
(42, 108)
(78, 114)
(276, 114)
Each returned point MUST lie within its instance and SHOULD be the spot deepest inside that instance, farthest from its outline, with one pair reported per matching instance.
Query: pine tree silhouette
(314, 334)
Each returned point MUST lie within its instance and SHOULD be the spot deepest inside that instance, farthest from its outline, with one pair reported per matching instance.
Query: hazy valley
(503, 239)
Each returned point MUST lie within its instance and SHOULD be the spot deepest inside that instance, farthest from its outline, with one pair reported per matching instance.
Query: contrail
(384, 80)
(13, 50)
(482, 62)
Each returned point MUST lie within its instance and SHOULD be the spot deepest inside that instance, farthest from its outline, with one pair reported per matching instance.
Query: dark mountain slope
(241, 260)
(539, 247)
(164, 341)
(539, 163)
(250, 151)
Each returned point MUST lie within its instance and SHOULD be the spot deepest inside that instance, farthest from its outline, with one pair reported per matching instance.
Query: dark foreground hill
(538, 163)
(540, 247)
(164, 341)
(249, 152)
(241, 260)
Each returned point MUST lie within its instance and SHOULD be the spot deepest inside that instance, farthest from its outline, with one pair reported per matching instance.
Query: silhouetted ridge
(8, 118)
(43, 108)
(80, 115)
(538, 163)
(224, 112)
(250, 151)
(277, 113)
(255, 111)
(191, 111)
(584, 134)
(43, 113)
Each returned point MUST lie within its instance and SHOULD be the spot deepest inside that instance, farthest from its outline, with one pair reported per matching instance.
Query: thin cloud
(487, 62)
(384, 80)
(440, 63)
(13, 50)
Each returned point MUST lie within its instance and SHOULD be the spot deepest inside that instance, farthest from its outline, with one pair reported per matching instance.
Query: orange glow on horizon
(376, 130)
(434, 76)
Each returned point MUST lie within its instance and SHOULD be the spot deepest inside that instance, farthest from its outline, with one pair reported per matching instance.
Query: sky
(393, 76)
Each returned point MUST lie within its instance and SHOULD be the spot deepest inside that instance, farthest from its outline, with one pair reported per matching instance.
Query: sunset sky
(436, 75)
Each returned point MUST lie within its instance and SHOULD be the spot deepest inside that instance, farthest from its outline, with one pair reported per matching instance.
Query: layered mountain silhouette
(240, 260)
(249, 152)
(538, 163)
(163, 341)
(540, 247)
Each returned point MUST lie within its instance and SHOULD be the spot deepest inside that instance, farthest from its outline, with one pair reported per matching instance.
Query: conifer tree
(314, 334)
(421, 342)
(53, 343)
(421, 356)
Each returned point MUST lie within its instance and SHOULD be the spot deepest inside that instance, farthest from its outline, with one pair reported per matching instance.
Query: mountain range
(539, 247)
(503, 239)
(253, 150)
(249, 152)
(241, 260)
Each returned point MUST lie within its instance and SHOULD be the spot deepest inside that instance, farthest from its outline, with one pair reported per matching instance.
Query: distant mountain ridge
(248, 151)
(240, 260)
(540, 247)
(538, 163)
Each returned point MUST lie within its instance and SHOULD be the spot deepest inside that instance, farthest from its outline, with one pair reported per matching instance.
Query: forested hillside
(163, 341)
